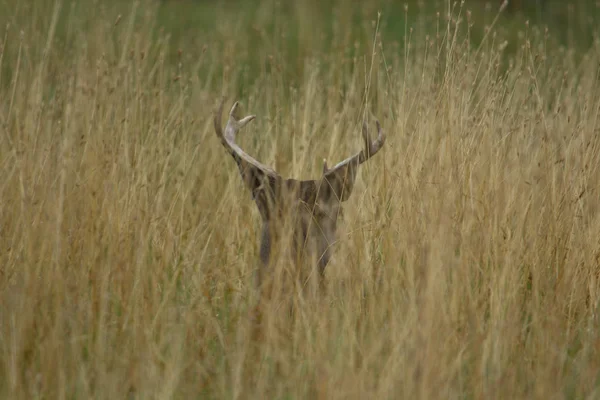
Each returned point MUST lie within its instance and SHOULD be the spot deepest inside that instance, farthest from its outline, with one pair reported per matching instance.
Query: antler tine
(227, 137)
(370, 148)
(217, 119)
(234, 124)
(366, 138)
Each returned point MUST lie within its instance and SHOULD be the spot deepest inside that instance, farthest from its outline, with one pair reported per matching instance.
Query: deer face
(299, 215)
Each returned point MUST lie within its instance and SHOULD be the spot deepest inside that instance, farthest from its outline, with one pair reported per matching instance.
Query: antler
(341, 176)
(228, 138)
(258, 176)
(371, 148)
(254, 174)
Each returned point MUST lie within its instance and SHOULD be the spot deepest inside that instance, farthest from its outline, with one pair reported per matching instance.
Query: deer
(297, 215)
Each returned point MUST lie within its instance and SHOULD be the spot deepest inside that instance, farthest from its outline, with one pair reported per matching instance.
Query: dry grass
(467, 264)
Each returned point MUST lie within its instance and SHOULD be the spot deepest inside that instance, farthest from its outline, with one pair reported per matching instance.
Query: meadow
(467, 265)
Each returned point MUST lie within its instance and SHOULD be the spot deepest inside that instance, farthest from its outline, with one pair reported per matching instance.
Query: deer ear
(338, 182)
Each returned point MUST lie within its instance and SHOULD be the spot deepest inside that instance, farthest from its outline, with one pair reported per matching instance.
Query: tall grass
(467, 264)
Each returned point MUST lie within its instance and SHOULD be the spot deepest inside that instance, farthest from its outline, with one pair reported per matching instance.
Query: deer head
(308, 209)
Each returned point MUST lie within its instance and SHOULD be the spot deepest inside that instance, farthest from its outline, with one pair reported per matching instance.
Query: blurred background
(308, 27)
(290, 32)
(572, 22)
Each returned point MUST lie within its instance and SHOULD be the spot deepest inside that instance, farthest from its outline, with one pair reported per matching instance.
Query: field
(467, 265)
